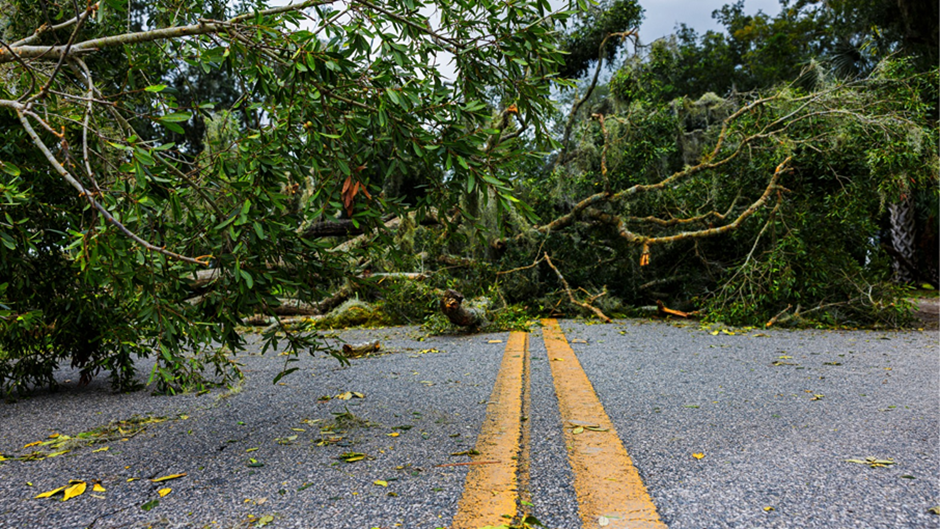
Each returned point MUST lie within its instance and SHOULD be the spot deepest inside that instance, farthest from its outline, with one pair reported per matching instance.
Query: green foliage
(815, 244)
(759, 51)
(591, 25)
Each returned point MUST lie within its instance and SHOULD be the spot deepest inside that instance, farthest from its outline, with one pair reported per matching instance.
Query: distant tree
(589, 31)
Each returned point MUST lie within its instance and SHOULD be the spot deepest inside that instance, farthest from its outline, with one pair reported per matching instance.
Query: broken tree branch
(564, 283)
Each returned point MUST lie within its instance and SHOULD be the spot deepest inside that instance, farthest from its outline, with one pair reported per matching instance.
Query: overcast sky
(662, 16)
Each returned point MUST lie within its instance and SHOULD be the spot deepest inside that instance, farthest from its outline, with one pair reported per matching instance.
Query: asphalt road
(773, 415)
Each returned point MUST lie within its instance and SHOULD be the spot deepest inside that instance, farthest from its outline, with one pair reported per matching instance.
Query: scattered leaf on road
(164, 492)
(380, 483)
(466, 453)
(872, 462)
(698, 455)
(768, 508)
(168, 478)
(98, 488)
(494, 341)
(50, 493)
(150, 505)
(577, 429)
(352, 457)
(77, 489)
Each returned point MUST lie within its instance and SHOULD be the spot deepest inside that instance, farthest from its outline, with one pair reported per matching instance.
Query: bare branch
(90, 46)
(81, 21)
(618, 223)
(46, 29)
(571, 298)
(566, 138)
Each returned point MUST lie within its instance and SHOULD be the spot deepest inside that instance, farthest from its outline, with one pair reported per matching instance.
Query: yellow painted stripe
(605, 480)
(492, 487)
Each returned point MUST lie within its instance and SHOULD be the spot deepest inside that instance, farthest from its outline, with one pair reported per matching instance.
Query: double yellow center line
(609, 489)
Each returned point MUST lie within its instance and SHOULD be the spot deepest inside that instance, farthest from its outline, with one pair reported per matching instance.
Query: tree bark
(451, 306)
(353, 350)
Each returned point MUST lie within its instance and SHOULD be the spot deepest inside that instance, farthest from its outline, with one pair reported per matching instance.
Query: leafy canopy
(127, 234)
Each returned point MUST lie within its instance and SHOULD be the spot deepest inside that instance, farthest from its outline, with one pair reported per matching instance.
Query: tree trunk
(903, 236)
(451, 306)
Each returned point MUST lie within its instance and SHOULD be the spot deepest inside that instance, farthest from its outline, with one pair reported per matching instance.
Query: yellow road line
(608, 486)
(491, 489)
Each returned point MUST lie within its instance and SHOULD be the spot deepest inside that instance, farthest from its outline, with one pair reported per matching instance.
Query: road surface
(638, 424)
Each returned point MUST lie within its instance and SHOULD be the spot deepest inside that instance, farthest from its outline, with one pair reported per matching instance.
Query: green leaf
(155, 88)
(284, 373)
(173, 127)
(9, 168)
(247, 277)
(175, 117)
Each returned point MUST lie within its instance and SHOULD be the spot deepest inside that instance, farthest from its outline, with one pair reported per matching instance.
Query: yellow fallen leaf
(53, 436)
(50, 493)
(698, 455)
(164, 492)
(32, 444)
(102, 449)
(132, 479)
(167, 478)
(577, 429)
(380, 483)
(75, 490)
(558, 359)
(768, 508)
(494, 341)
(98, 488)
(393, 434)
